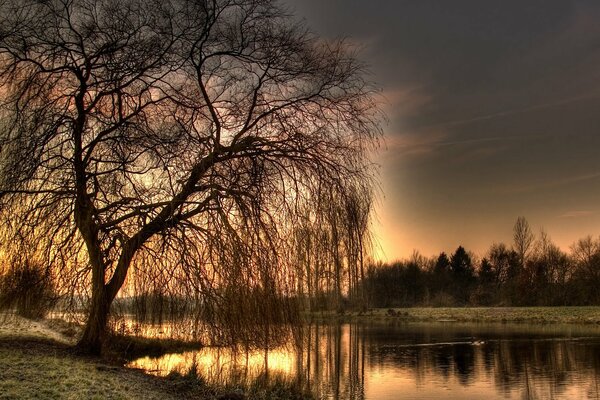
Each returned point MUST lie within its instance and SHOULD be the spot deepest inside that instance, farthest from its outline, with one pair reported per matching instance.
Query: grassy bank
(37, 369)
(544, 315)
(37, 362)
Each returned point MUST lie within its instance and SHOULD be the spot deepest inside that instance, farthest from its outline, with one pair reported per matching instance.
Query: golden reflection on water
(415, 361)
(220, 365)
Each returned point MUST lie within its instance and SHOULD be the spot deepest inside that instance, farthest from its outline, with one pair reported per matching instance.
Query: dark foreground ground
(38, 369)
(37, 361)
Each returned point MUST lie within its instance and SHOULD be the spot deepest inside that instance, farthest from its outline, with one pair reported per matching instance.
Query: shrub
(28, 289)
(442, 299)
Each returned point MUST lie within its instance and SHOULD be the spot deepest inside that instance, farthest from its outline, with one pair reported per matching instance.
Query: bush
(27, 288)
(442, 299)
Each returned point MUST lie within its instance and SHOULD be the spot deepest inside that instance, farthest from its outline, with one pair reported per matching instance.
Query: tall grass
(27, 288)
(266, 386)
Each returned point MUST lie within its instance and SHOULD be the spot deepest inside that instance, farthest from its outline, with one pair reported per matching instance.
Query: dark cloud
(494, 113)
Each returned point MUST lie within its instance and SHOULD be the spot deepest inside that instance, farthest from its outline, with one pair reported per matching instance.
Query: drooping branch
(182, 139)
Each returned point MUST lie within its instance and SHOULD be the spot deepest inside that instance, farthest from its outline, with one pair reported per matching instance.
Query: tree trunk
(95, 331)
(103, 294)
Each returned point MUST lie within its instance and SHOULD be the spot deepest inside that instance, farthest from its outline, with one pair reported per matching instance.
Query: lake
(396, 360)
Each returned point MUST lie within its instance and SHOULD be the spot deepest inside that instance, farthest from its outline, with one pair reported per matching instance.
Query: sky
(493, 113)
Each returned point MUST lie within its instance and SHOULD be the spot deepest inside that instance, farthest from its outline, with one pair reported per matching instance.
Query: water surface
(416, 361)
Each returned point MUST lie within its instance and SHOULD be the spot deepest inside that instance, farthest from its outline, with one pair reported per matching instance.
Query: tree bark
(94, 335)
(103, 294)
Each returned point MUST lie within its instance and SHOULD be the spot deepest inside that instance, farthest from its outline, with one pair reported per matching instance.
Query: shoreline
(38, 359)
(586, 315)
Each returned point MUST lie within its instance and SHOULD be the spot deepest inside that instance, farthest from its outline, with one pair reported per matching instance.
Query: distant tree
(383, 284)
(505, 263)
(585, 251)
(442, 264)
(460, 263)
(550, 271)
(462, 273)
(549, 277)
(28, 288)
(486, 273)
(586, 276)
(415, 280)
(523, 239)
(485, 292)
(440, 283)
(506, 269)
(178, 137)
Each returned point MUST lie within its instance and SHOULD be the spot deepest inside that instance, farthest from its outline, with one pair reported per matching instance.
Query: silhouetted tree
(333, 235)
(414, 283)
(586, 276)
(506, 269)
(523, 239)
(486, 273)
(442, 264)
(549, 277)
(462, 274)
(440, 280)
(485, 292)
(547, 274)
(180, 137)
(400, 284)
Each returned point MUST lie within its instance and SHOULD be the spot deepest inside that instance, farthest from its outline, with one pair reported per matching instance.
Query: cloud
(406, 100)
(549, 184)
(521, 110)
(424, 143)
(414, 143)
(577, 214)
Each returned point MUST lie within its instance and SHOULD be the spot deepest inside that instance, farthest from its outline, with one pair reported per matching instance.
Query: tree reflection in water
(418, 360)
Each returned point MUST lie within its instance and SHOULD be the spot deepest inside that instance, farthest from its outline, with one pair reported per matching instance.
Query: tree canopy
(180, 140)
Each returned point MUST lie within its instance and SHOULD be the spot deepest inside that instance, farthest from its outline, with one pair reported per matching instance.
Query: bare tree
(585, 250)
(586, 256)
(334, 236)
(173, 136)
(522, 239)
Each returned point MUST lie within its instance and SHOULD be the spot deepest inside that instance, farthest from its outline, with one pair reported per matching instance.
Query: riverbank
(539, 315)
(37, 361)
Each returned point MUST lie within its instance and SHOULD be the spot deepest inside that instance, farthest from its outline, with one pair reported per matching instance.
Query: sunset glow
(493, 114)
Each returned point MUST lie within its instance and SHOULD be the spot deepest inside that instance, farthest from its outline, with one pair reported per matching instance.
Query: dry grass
(506, 314)
(37, 362)
(15, 327)
(562, 315)
(45, 370)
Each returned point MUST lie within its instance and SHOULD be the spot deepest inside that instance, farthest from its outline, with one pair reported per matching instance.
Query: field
(544, 315)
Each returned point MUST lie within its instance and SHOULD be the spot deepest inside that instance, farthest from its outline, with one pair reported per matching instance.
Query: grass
(561, 315)
(39, 369)
(37, 362)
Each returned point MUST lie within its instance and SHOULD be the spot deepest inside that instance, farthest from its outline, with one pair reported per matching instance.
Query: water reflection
(417, 361)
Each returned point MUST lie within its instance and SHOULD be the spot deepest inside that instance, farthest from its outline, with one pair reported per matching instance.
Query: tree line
(531, 271)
